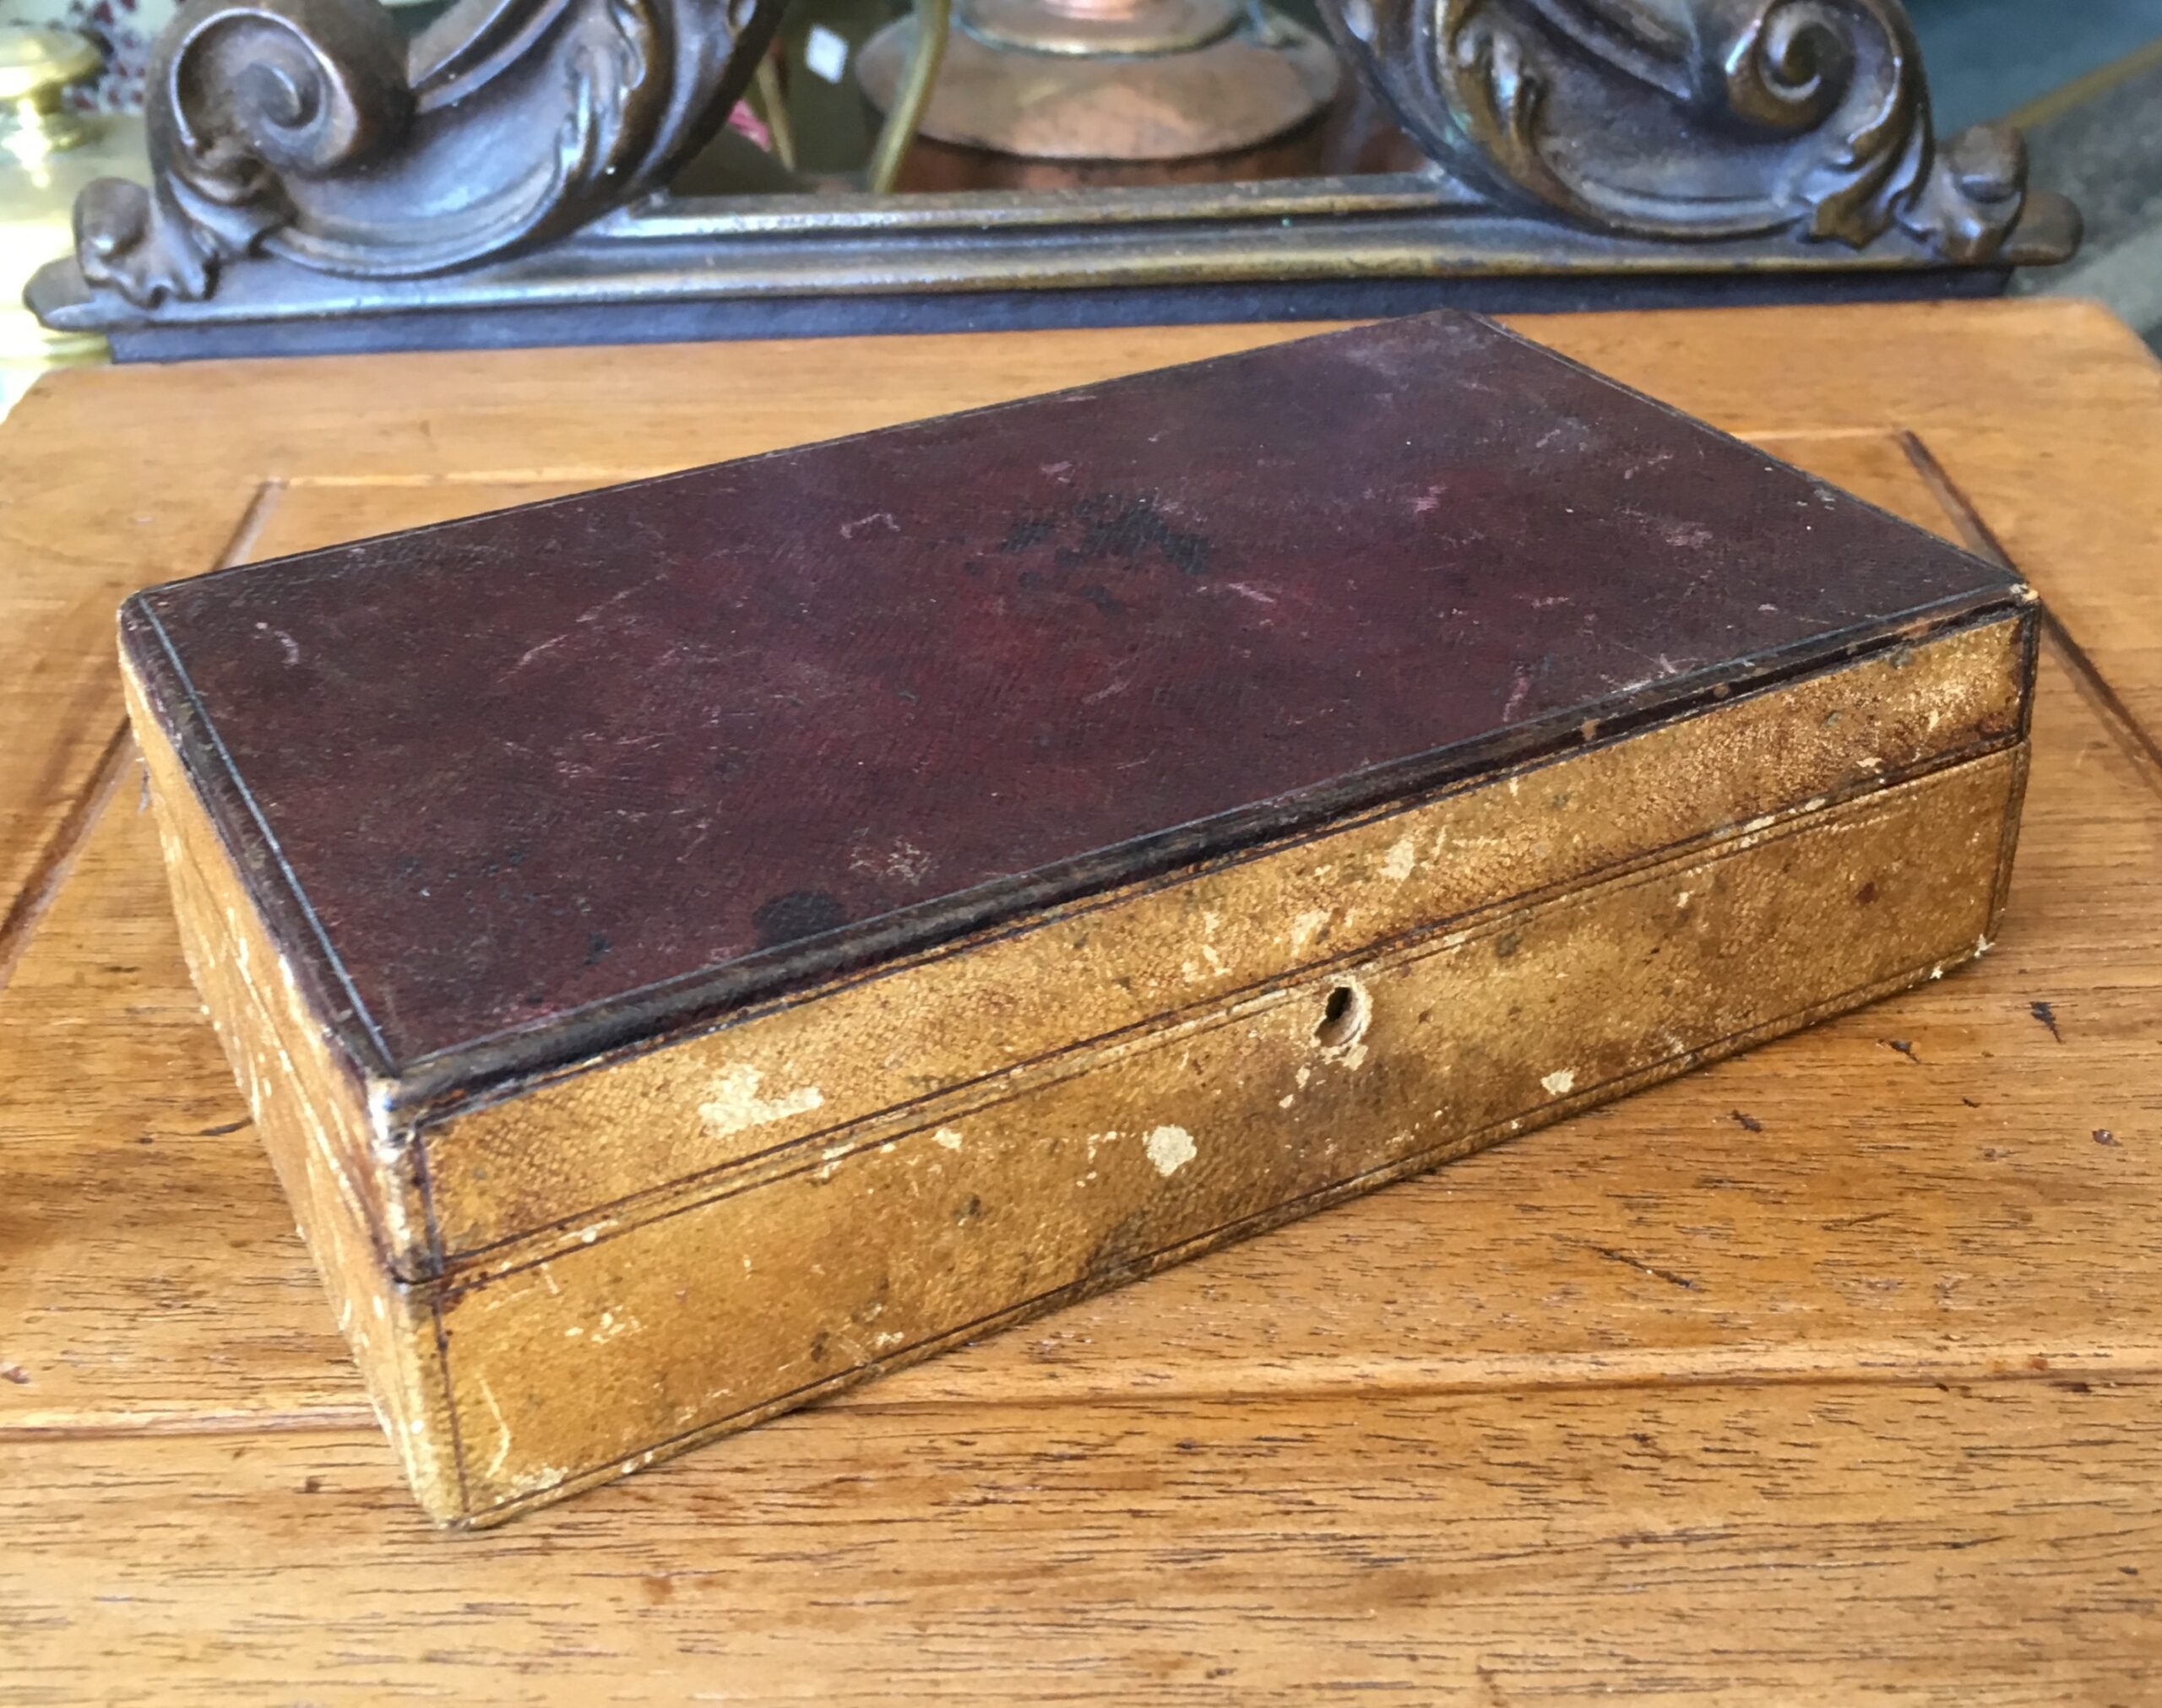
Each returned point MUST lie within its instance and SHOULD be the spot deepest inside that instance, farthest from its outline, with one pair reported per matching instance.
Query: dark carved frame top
(1691, 121)
(308, 129)
(307, 132)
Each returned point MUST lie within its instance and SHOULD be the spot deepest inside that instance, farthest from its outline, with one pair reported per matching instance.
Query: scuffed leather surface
(528, 763)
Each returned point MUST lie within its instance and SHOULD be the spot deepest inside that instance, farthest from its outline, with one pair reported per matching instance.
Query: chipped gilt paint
(689, 949)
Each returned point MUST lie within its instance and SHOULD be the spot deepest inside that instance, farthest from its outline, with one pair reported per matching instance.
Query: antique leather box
(694, 946)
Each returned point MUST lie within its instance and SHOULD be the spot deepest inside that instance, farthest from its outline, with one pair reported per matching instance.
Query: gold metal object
(915, 86)
(773, 106)
(47, 155)
(36, 68)
(1129, 80)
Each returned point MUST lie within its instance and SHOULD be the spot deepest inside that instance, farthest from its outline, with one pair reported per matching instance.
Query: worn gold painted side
(313, 1121)
(1355, 1006)
(571, 1151)
(900, 1238)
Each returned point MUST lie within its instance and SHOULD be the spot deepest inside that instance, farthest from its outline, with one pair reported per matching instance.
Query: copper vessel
(1048, 92)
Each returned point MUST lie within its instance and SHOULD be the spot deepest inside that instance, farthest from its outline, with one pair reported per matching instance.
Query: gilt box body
(693, 946)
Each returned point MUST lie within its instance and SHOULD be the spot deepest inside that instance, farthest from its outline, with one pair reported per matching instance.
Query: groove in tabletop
(77, 532)
(1941, 1545)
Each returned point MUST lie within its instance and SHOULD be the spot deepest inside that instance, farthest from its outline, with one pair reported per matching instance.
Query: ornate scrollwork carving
(1689, 120)
(307, 129)
(1681, 136)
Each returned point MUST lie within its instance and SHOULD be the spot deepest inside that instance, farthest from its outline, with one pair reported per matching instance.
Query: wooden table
(1832, 1371)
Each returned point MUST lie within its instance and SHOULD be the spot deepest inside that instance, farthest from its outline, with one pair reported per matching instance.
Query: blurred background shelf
(2082, 79)
(1991, 59)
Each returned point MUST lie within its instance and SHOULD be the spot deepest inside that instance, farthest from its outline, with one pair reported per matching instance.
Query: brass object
(36, 66)
(916, 80)
(47, 156)
(316, 184)
(773, 101)
(1129, 80)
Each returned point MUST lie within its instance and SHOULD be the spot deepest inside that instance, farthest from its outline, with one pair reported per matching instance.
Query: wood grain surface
(1829, 1373)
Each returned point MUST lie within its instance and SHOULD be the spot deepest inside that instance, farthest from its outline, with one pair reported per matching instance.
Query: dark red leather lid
(653, 751)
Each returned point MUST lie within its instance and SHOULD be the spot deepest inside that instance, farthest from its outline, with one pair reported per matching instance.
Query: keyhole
(1344, 1018)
